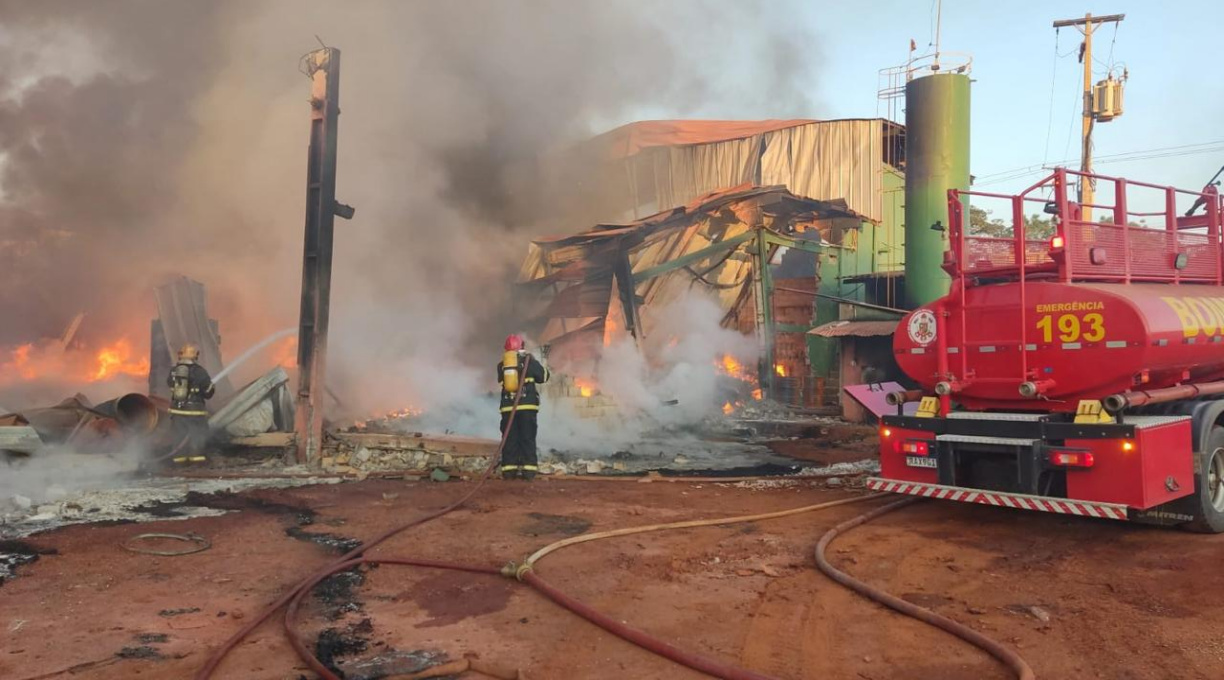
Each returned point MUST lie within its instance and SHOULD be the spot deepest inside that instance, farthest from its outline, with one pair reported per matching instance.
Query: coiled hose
(1009, 658)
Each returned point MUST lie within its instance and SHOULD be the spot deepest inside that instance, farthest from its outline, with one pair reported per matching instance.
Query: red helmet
(514, 343)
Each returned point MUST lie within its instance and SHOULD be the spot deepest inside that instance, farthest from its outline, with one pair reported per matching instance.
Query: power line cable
(1111, 43)
(1045, 154)
(1160, 149)
(1198, 147)
(1000, 178)
(931, 25)
(1078, 100)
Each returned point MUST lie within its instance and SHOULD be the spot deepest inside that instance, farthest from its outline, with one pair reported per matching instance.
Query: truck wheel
(1210, 486)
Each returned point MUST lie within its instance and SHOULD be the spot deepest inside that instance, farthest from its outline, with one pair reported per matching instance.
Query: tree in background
(982, 222)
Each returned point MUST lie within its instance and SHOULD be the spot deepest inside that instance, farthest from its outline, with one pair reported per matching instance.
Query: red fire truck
(1080, 373)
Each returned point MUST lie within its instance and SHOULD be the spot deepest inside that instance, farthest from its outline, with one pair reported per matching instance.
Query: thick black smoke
(143, 138)
(95, 115)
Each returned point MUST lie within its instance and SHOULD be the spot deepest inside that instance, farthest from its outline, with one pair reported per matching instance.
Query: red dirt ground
(1123, 602)
(830, 444)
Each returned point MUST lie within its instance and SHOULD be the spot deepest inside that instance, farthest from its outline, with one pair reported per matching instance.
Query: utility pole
(323, 67)
(1087, 26)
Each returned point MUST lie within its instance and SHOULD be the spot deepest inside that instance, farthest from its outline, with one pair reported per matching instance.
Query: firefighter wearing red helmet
(519, 369)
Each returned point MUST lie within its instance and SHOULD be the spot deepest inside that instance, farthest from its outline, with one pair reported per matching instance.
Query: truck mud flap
(1001, 499)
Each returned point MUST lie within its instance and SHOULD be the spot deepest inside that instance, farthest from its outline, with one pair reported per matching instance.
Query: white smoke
(668, 382)
(678, 363)
(57, 472)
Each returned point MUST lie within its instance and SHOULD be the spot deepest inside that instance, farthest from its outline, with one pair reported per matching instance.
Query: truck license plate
(921, 461)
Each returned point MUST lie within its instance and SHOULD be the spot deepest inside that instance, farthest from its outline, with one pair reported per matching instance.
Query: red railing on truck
(1178, 248)
(1183, 247)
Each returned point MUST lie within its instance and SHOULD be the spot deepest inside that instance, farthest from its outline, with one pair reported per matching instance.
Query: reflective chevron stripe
(1061, 506)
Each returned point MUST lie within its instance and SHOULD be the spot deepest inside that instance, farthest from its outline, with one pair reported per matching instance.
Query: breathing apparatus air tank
(510, 371)
(181, 388)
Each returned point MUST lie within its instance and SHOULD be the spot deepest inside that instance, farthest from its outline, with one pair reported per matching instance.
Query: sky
(1170, 99)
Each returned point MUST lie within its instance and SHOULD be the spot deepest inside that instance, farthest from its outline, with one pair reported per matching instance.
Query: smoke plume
(144, 138)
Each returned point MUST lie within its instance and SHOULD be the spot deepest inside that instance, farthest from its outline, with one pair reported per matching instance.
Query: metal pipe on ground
(1116, 403)
(135, 412)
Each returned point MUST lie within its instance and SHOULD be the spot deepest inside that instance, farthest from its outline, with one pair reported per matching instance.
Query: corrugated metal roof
(820, 160)
(859, 329)
(632, 138)
(183, 312)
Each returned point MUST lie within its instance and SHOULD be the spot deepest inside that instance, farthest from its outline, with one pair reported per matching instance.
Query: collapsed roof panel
(183, 310)
(258, 407)
(703, 244)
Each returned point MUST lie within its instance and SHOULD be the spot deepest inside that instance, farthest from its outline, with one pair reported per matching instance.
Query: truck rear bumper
(1061, 506)
(1142, 463)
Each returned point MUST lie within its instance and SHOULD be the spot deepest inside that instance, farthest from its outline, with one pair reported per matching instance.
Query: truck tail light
(1057, 243)
(1081, 459)
(916, 448)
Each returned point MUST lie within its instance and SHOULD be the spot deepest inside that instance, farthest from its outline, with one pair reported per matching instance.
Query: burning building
(584, 292)
(789, 224)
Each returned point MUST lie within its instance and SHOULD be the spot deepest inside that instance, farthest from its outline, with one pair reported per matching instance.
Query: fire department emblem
(921, 327)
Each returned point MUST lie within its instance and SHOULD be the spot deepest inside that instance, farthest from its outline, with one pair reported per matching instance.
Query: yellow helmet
(189, 352)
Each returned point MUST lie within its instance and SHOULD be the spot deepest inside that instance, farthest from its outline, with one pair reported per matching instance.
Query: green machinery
(937, 159)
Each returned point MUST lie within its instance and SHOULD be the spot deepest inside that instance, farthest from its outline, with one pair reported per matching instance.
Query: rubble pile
(365, 452)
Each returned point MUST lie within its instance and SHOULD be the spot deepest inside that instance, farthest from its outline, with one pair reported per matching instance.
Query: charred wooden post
(323, 67)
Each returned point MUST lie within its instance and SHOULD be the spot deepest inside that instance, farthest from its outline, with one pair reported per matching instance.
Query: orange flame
(780, 370)
(405, 412)
(585, 387)
(728, 408)
(732, 367)
(19, 362)
(116, 359)
(284, 353)
(610, 329)
(757, 394)
(50, 360)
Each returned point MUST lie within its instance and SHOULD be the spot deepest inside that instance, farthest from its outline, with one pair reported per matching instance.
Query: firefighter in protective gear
(190, 387)
(519, 369)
